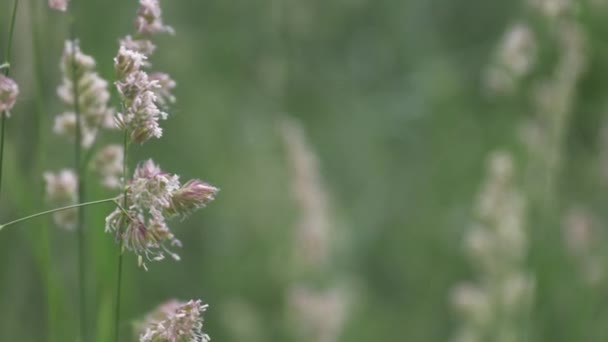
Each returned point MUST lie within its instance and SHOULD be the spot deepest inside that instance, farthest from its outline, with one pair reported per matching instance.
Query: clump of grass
(145, 200)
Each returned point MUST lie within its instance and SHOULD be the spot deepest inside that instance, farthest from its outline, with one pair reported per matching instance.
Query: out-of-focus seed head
(318, 315)
(61, 187)
(73, 60)
(193, 195)
(175, 322)
(149, 18)
(80, 78)
(65, 125)
(61, 191)
(59, 5)
(108, 163)
(9, 90)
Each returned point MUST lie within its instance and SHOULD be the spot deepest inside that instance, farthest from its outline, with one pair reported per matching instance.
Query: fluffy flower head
(9, 90)
(59, 5)
(61, 191)
(152, 196)
(176, 322)
(141, 114)
(193, 195)
(79, 74)
(128, 61)
(108, 164)
(143, 46)
(149, 18)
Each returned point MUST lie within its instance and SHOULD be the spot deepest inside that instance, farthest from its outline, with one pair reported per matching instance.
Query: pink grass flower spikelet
(193, 195)
(165, 87)
(176, 322)
(9, 90)
(149, 18)
(59, 5)
(153, 196)
(141, 114)
(128, 61)
(61, 191)
(143, 46)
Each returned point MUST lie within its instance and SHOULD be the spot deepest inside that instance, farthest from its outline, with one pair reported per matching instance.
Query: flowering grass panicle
(143, 46)
(513, 60)
(165, 88)
(149, 18)
(61, 191)
(176, 322)
(493, 307)
(59, 5)
(314, 227)
(141, 93)
(140, 114)
(153, 196)
(318, 315)
(9, 90)
(193, 195)
(583, 241)
(93, 96)
(108, 164)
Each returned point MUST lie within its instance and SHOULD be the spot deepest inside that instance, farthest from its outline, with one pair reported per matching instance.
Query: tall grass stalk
(7, 69)
(81, 191)
(125, 145)
(41, 239)
(80, 195)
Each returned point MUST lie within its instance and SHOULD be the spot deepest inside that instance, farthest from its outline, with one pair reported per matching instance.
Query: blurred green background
(390, 95)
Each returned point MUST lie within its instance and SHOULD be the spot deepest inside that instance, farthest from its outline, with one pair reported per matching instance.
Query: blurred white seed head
(497, 243)
(59, 5)
(552, 8)
(473, 302)
(514, 59)
(319, 315)
(9, 90)
(518, 49)
(73, 60)
(176, 322)
(65, 125)
(108, 164)
(582, 239)
(149, 18)
(578, 231)
(61, 190)
(93, 97)
(516, 292)
(313, 230)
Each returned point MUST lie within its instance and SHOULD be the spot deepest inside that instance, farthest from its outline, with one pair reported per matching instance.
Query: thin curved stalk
(120, 243)
(46, 212)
